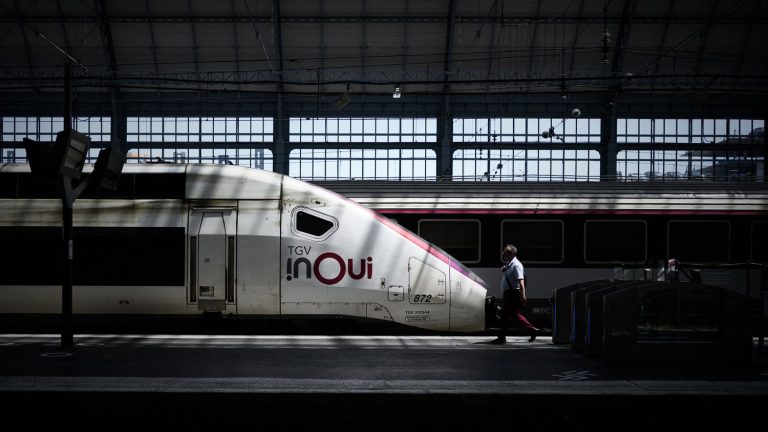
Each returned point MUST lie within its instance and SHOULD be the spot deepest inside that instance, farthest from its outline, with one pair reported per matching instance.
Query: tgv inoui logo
(329, 267)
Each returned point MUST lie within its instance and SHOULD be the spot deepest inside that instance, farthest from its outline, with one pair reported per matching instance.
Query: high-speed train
(220, 239)
(581, 231)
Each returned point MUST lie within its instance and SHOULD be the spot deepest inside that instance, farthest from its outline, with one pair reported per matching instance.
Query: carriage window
(699, 241)
(610, 241)
(538, 241)
(459, 238)
(760, 242)
(312, 224)
(102, 255)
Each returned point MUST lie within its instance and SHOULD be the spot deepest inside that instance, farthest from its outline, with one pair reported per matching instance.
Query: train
(223, 240)
(572, 232)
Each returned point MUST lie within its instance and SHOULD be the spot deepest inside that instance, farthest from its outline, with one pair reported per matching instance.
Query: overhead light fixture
(397, 93)
(109, 165)
(343, 100)
(73, 146)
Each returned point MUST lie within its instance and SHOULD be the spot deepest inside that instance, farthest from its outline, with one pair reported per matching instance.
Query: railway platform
(360, 383)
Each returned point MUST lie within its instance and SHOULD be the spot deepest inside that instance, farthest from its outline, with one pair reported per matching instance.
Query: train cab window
(460, 238)
(313, 224)
(539, 241)
(613, 241)
(760, 242)
(699, 241)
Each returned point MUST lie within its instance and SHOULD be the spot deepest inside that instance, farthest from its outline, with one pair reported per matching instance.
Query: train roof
(207, 181)
(556, 197)
(173, 181)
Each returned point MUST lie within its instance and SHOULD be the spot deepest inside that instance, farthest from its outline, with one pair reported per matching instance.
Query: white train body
(255, 243)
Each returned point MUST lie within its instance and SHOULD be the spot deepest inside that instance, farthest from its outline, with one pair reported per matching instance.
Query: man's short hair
(511, 249)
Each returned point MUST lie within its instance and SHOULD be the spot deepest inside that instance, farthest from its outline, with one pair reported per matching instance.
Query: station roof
(424, 46)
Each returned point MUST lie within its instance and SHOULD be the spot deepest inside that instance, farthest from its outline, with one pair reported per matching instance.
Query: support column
(67, 202)
(445, 140)
(608, 150)
(764, 178)
(280, 132)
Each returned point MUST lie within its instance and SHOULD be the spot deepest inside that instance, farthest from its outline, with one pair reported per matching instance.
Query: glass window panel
(169, 125)
(244, 125)
(632, 127)
(420, 125)
(431, 125)
(721, 127)
(699, 241)
(459, 238)
(345, 126)
(319, 127)
(615, 241)
(369, 126)
(229, 125)
(537, 241)
(259, 126)
(759, 240)
(333, 125)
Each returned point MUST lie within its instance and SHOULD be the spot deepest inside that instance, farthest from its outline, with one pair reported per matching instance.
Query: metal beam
(447, 57)
(281, 124)
(445, 126)
(465, 19)
(67, 45)
(576, 37)
(608, 148)
(747, 35)
(643, 105)
(405, 47)
(431, 81)
(705, 35)
(532, 51)
(236, 45)
(106, 35)
(21, 20)
(492, 40)
(363, 34)
(119, 131)
(195, 48)
(152, 36)
(663, 39)
(322, 39)
(622, 39)
(278, 32)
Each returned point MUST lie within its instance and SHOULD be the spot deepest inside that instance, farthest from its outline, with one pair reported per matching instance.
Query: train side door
(427, 294)
(212, 258)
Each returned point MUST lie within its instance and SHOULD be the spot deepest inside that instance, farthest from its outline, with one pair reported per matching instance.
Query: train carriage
(218, 239)
(576, 232)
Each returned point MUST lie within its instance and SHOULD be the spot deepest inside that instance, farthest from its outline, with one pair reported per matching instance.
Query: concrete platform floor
(347, 381)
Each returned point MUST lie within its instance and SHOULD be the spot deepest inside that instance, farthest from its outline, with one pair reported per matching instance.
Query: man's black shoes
(502, 341)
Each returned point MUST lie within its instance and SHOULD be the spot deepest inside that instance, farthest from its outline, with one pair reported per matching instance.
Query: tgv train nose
(467, 304)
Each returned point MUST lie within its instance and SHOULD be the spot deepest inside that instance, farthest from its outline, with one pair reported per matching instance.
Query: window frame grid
(558, 164)
(329, 130)
(697, 149)
(312, 163)
(218, 129)
(508, 130)
(45, 128)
